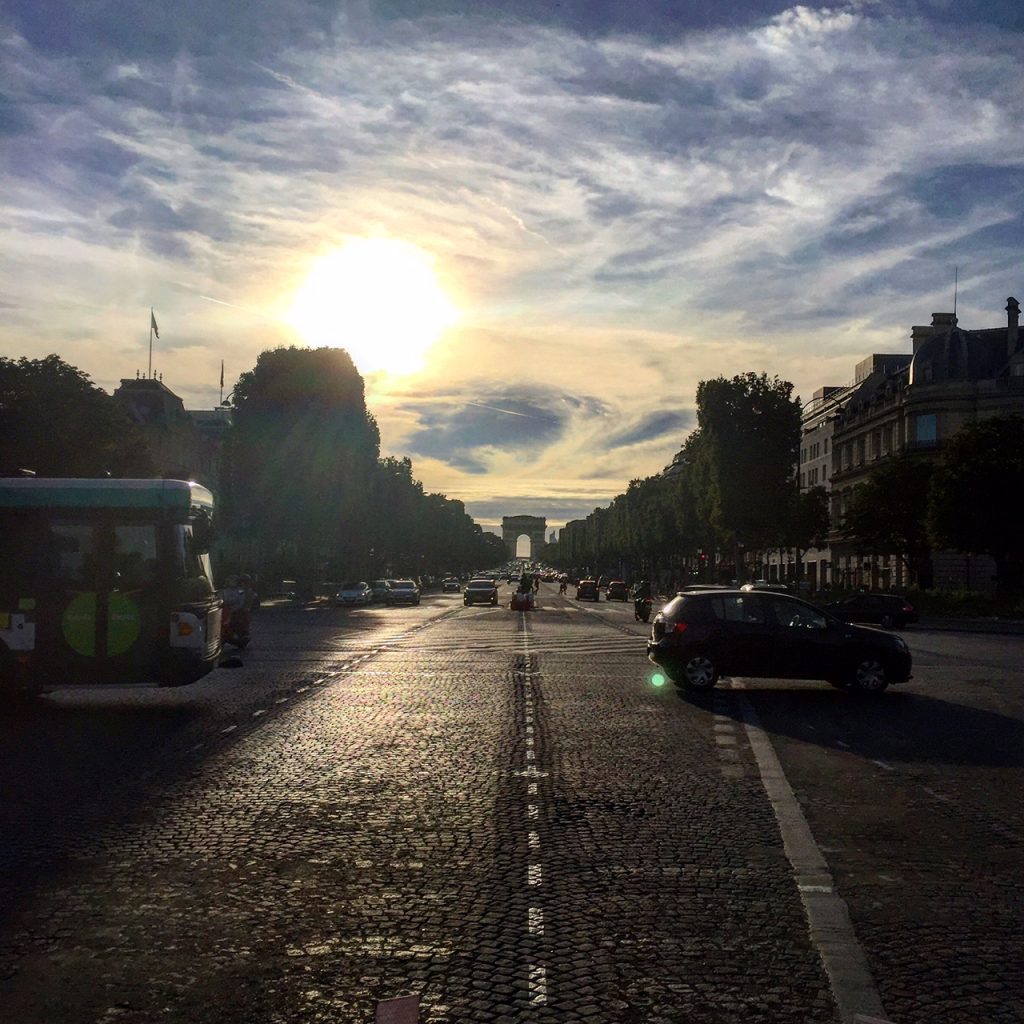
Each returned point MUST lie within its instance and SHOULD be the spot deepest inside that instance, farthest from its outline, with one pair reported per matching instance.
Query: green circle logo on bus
(79, 623)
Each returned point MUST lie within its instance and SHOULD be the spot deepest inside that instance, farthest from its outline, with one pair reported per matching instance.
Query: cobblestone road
(499, 812)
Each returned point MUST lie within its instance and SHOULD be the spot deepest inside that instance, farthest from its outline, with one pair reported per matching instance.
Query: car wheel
(699, 672)
(870, 676)
(887, 622)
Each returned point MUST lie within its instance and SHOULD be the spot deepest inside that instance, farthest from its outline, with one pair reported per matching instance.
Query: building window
(925, 431)
(826, 446)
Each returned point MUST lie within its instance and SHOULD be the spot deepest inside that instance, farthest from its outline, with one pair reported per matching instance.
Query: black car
(480, 591)
(617, 591)
(884, 609)
(404, 592)
(586, 590)
(700, 636)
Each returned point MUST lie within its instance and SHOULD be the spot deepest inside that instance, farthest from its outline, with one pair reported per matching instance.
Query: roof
(78, 492)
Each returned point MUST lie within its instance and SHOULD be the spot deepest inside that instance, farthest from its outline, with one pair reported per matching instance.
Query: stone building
(185, 444)
(904, 402)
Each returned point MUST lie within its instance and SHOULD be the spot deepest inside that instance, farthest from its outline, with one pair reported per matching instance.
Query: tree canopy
(972, 505)
(56, 422)
(886, 512)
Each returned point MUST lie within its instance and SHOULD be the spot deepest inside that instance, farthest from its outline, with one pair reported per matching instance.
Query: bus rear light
(184, 628)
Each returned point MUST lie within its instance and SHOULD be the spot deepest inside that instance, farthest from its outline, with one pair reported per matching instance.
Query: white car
(354, 593)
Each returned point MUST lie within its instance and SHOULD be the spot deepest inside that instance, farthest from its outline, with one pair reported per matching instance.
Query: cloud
(465, 431)
(652, 426)
(622, 198)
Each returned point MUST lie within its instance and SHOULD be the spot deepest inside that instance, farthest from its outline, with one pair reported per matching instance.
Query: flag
(221, 370)
(152, 324)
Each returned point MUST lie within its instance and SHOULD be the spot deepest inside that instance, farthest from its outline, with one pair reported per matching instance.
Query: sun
(379, 299)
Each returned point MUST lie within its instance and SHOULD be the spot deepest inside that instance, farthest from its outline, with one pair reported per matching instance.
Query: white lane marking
(938, 796)
(883, 764)
(230, 728)
(532, 811)
(725, 741)
(531, 789)
(828, 917)
(534, 874)
(261, 711)
(535, 920)
(533, 839)
(281, 700)
(538, 985)
(529, 754)
(840, 743)
(301, 689)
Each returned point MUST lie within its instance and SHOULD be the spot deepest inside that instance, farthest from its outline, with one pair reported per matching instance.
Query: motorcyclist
(238, 598)
(642, 601)
(563, 586)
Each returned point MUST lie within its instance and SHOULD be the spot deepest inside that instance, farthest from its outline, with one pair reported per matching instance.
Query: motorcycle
(642, 609)
(234, 628)
(234, 623)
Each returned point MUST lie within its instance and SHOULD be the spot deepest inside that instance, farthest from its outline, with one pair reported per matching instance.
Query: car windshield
(352, 586)
(403, 585)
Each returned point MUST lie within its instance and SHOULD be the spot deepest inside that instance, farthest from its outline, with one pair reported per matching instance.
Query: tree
(749, 444)
(886, 513)
(971, 506)
(301, 456)
(56, 422)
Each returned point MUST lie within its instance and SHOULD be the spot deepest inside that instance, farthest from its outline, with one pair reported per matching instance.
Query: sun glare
(377, 298)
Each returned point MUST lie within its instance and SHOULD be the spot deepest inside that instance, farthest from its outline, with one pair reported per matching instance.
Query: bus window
(192, 565)
(72, 554)
(135, 555)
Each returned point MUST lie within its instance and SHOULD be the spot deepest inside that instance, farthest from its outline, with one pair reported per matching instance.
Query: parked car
(587, 590)
(480, 591)
(886, 610)
(354, 593)
(404, 592)
(775, 588)
(381, 590)
(451, 586)
(617, 591)
(699, 637)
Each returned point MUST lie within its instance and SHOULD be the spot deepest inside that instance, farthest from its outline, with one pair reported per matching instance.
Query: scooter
(642, 609)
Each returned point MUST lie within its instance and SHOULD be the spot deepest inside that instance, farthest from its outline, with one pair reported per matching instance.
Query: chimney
(1012, 321)
(940, 320)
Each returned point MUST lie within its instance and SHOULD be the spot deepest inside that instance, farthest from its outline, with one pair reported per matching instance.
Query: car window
(798, 616)
(738, 608)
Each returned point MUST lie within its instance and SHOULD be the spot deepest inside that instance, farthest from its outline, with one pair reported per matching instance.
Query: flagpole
(149, 372)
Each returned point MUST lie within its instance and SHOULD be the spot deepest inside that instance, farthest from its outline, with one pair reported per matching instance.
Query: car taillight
(908, 609)
(679, 627)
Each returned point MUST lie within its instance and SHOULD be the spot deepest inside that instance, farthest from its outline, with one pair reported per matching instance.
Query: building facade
(904, 402)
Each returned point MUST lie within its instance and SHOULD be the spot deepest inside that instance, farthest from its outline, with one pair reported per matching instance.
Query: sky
(614, 200)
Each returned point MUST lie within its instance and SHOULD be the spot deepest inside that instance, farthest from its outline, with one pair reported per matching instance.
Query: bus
(105, 581)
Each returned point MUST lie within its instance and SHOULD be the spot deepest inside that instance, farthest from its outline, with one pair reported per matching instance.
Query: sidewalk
(1006, 627)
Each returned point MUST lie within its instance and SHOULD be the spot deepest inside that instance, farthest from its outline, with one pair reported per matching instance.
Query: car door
(744, 635)
(807, 642)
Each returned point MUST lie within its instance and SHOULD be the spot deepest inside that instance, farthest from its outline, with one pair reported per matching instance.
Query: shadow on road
(59, 763)
(895, 726)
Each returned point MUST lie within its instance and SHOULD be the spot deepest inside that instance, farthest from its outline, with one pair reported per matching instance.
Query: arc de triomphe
(513, 527)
